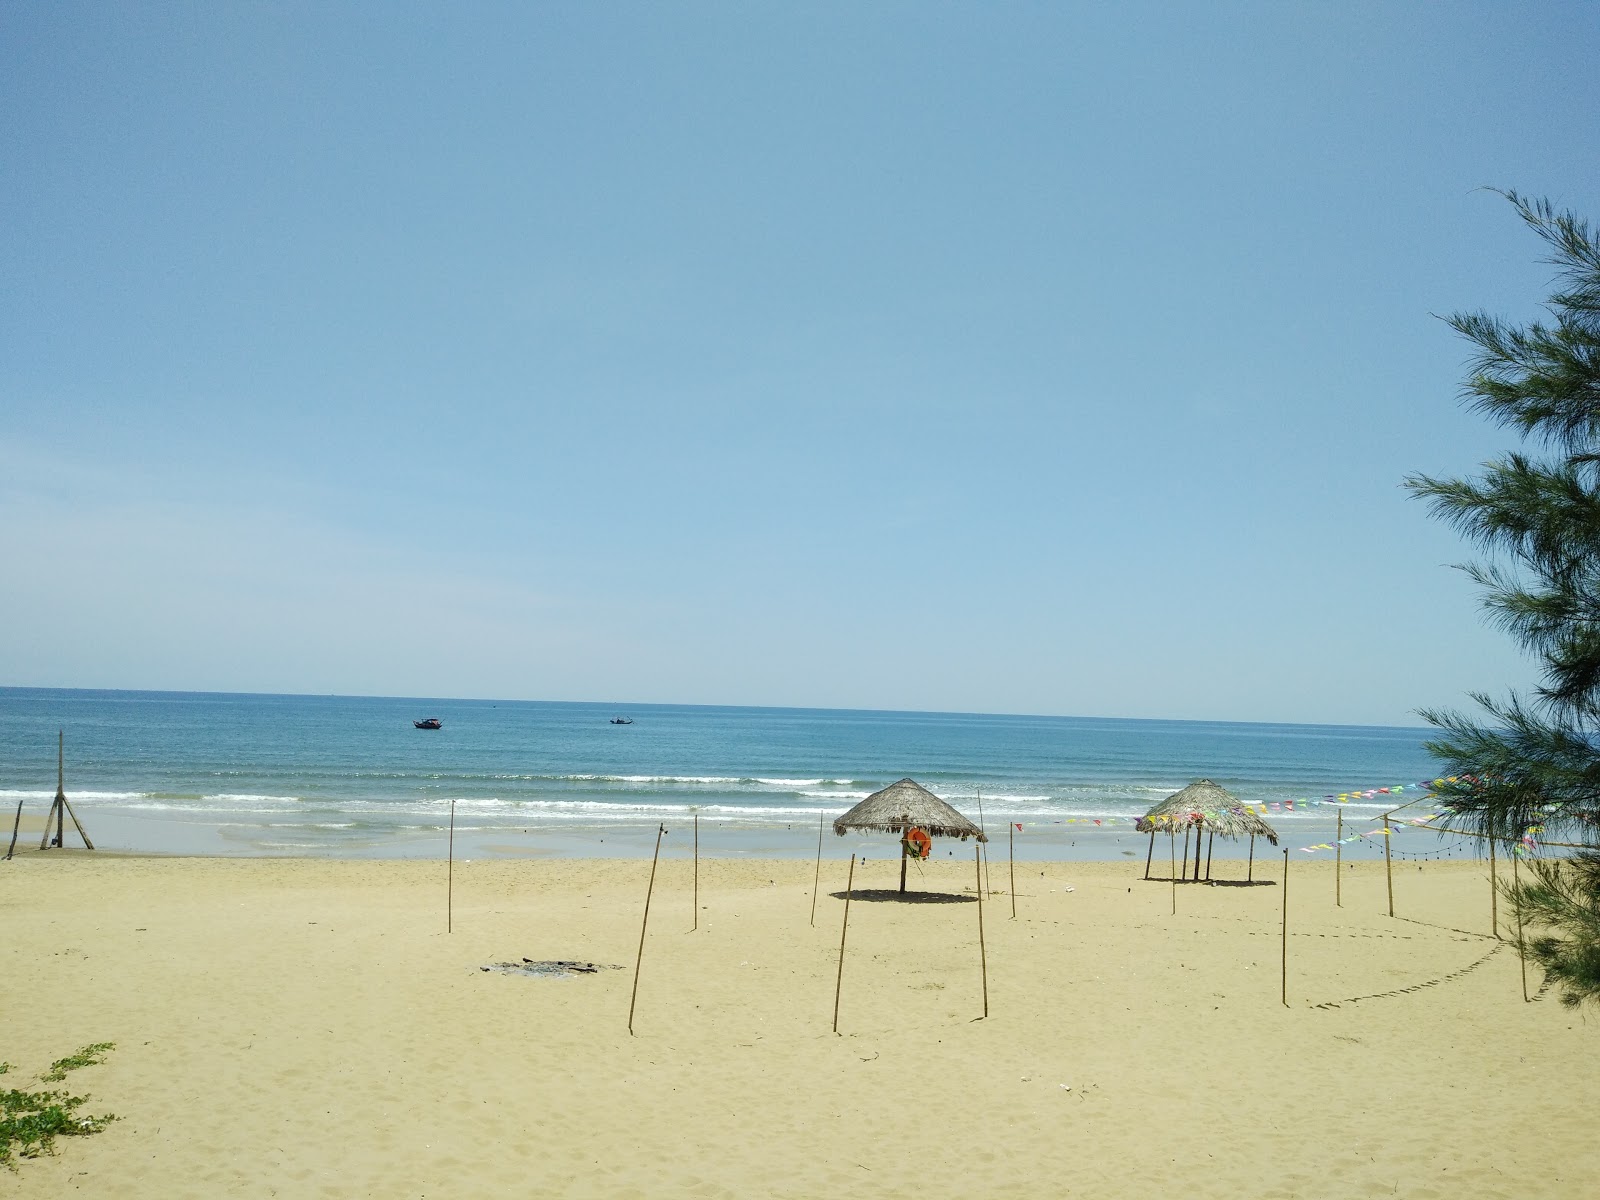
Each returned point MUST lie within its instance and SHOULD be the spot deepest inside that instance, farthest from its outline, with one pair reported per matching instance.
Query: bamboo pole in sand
(1515, 881)
(1172, 844)
(1285, 991)
(1011, 839)
(838, 983)
(1150, 853)
(981, 846)
(643, 925)
(1388, 863)
(1494, 895)
(450, 875)
(983, 953)
(696, 871)
(817, 882)
(15, 825)
(1338, 859)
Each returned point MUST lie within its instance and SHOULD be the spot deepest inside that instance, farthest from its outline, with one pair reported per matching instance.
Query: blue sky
(1002, 357)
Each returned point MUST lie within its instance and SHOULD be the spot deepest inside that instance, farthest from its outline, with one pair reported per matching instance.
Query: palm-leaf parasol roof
(1209, 807)
(905, 804)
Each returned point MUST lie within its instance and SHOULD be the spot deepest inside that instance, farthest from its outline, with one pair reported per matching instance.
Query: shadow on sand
(1214, 882)
(891, 896)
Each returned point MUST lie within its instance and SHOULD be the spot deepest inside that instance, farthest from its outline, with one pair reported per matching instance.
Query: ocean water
(271, 774)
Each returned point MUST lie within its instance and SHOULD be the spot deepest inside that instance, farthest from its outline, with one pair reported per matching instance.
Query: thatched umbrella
(1203, 806)
(907, 805)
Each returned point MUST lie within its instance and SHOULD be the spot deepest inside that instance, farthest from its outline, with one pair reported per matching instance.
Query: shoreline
(206, 836)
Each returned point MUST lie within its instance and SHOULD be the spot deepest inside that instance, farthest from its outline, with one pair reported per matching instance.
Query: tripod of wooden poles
(60, 808)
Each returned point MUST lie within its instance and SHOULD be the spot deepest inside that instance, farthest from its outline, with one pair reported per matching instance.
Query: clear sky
(1051, 358)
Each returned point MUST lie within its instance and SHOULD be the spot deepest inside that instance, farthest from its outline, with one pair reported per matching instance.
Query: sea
(351, 776)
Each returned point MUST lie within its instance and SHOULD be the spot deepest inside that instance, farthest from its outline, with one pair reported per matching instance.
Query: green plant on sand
(30, 1122)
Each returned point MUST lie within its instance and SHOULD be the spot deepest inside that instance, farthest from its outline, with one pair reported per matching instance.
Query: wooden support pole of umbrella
(1494, 895)
(1150, 853)
(16, 824)
(696, 872)
(643, 925)
(1172, 844)
(450, 875)
(1285, 992)
(1211, 842)
(983, 954)
(1250, 867)
(1186, 825)
(838, 982)
(816, 883)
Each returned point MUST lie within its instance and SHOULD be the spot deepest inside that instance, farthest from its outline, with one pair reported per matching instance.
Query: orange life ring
(916, 843)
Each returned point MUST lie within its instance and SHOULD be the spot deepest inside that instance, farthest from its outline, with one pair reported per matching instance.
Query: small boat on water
(428, 723)
(622, 720)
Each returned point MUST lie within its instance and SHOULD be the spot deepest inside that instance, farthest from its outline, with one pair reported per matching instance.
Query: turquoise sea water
(351, 775)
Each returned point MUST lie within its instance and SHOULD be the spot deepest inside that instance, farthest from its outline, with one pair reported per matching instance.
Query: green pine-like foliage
(1533, 762)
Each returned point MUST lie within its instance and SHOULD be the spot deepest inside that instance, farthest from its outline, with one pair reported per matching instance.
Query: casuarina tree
(1527, 766)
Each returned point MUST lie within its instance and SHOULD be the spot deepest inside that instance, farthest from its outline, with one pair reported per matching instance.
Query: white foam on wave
(220, 803)
(653, 779)
(75, 796)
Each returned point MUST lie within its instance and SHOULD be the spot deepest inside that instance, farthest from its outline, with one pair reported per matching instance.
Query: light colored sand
(307, 1028)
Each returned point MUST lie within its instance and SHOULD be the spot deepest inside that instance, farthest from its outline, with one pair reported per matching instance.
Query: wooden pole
(1338, 860)
(1172, 851)
(450, 876)
(1011, 838)
(1250, 870)
(1285, 993)
(1150, 853)
(15, 825)
(838, 983)
(817, 882)
(1186, 852)
(1494, 895)
(76, 824)
(1211, 842)
(697, 871)
(61, 791)
(983, 954)
(1515, 883)
(984, 828)
(1199, 835)
(1388, 863)
(643, 925)
(904, 829)
(60, 808)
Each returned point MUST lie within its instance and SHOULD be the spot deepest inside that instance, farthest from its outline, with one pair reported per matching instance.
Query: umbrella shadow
(891, 896)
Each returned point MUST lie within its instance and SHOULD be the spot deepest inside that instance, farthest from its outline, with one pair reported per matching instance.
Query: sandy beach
(307, 1027)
